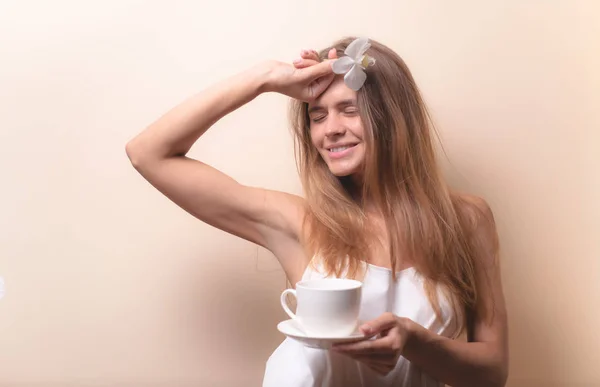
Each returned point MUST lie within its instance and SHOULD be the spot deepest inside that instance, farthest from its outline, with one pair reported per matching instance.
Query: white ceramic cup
(326, 307)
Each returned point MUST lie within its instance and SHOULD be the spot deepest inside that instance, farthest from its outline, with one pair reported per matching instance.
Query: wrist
(260, 77)
(411, 332)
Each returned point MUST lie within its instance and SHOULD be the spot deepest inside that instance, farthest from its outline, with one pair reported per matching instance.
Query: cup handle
(284, 302)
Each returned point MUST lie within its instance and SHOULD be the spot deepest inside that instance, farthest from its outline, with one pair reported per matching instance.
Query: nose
(334, 126)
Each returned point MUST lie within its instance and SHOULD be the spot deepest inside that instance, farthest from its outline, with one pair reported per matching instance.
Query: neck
(357, 179)
(354, 185)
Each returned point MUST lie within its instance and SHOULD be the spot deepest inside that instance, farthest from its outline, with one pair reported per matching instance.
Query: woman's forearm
(175, 132)
(456, 363)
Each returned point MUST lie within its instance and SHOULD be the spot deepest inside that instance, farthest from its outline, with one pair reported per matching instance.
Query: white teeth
(339, 149)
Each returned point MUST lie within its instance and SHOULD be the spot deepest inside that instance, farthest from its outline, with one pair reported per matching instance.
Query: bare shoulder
(473, 206)
(480, 224)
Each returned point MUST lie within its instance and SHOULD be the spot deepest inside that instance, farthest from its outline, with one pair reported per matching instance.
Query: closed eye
(318, 118)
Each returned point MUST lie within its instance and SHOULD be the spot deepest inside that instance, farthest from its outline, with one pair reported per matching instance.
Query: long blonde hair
(425, 221)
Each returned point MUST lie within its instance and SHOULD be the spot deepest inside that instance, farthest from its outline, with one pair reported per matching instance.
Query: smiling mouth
(340, 148)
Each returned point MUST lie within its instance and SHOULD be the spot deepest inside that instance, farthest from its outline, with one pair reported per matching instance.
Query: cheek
(358, 129)
(314, 137)
(355, 126)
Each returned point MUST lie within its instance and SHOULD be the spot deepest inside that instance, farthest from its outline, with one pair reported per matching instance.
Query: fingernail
(304, 52)
(366, 329)
(297, 60)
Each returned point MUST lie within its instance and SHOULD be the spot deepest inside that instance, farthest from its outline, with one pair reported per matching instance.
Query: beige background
(110, 284)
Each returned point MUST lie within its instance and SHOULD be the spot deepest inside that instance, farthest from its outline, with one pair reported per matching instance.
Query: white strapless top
(294, 365)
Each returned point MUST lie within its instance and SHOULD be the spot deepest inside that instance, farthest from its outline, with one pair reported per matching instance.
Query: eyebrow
(342, 103)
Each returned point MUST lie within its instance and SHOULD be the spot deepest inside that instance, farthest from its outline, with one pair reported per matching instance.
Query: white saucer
(291, 329)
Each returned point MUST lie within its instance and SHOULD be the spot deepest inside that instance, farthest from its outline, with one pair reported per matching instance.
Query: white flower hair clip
(354, 63)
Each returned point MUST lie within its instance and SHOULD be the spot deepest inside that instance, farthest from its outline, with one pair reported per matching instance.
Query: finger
(304, 63)
(318, 86)
(332, 54)
(384, 322)
(383, 345)
(319, 70)
(310, 54)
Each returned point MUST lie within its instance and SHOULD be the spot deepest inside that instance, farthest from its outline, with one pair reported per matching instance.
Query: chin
(346, 166)
(343, 172)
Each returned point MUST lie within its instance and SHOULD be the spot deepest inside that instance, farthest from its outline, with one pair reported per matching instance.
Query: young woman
(376, 208)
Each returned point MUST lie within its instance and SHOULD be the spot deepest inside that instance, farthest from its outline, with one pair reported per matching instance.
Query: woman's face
(336, 129)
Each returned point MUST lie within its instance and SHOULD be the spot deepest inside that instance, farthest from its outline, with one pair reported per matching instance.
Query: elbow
(133, 153)
(139, 155)
(497, 378)
(489, 377)
(502, 376)
(496, 374)
(502, 370)
(142, 153)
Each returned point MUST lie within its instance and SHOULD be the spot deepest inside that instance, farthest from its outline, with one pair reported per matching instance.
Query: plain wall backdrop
(110, 284)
